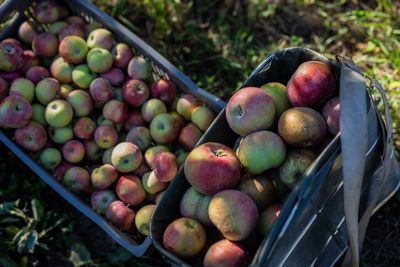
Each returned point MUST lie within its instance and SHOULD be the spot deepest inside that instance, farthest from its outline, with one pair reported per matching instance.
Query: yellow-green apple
(202, 117)
(100, 38)
(311, 84)
(100, 200)
(81, 103)
(73, 151)
(61, 70)
(261, 151)
(278, 93)
(234, 214)
(226, 253)
(76, 20)
(260, 189)
(165, 166)
(331, 113)
(57, 26)
(126, 157)
(151, 108)
(46, 12)
(302, 127)
(27, 32)
(50, 158)
(92, 151)
(135, 92)
(115, 76)
(45, 45)
(121, 216)
(143, 218)
(189, 136)
(115, 110)
(139, 136)
(249, 110)
(73, 49)
(164, 90)
(164, 129)
(77, 179)
(11, 56)
(82, 76)
(130, 190)
(295, 165)
(134, 120)
(122, 54)
(184, 237)
(65, 89)
(99, 60)
(58, 113)
(212, 167)
(23, 87)
(104, 176)
(46, 90)
(31, 137)
(151, 154)
(101, 90)
(139, 68)
(151, 184)
(268, 218)
(15, 111)
(37, 73)
(84, 128)
(105, 136)
(38, 113)
(186, 104)
(71, 30)
(195, 205)
(106, 158)
(3, 89)
(60, 135)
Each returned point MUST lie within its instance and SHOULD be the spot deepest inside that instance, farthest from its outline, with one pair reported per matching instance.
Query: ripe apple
(186, 104)
(139, 136)
(101, 90)
(260, 189)
(121, 216)
(115, 76)
(279, 95)
(76, 20)
(77, 179)
(30, 60)
(60, 135)
(134, 120)
(45, 45)
(27, 32)
(151, 154)
(23, 87)
(73, 49)
(331, 113)
(249, 110)
(61, 169)
(151, 184)
(126, 157)
(46, 90)
(202, 117)
(99, 60)
(38, 114)
(103, 176)
(165, 166)
(189, 136)
(268, 218)
(143, 218)
(178, 118)
(164, 90)
(151, 108)
(61, 70)
(71, 30)
(295, 165)
(73, 151)
(3, 89)
(106, 158)
(31, 137)
(58, 113)
(122, 54)
(164, 129)
(15, 112)
(37, 73)
(116, 111)
(135, 92)
(81, 103)
(100, 200)
(139, 68)
(226, 253)
(130, 190)
(105, 136)
(195, 205)
(92, 151)
(11, 56)
(84, 128)
(50, 158)
(46, 12)
(100, 38)
(57, 27)
(82, 76)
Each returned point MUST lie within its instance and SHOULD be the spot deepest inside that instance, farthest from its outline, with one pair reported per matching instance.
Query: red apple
(164, 90)
(15, 112)
(189, 136)
(130, 190)
(331, 113)
(45, 45)
(135, 92)
(32, 136)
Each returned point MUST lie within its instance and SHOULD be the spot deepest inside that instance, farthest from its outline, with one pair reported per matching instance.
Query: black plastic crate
(278, 67)
(162, 68)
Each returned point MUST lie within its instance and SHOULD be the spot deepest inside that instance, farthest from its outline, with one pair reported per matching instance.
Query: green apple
(60, 135)
(23, 87)
(50, 158)
(58, 113)
(82, 76)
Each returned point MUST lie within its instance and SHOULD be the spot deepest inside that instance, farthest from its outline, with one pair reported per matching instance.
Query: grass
(217, 43)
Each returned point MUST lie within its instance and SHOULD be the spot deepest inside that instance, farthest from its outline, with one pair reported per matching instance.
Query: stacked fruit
(81, 103)
(236, 196)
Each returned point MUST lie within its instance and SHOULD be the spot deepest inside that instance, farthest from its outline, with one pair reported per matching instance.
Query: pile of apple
(88, 109)
(236, 194)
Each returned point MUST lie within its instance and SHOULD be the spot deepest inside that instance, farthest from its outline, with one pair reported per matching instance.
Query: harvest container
(19, 11)
(311, 206)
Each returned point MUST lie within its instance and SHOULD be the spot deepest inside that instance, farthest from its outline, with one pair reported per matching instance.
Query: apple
(178, 118)
(135, 92)
(100, 38)
(249, 110)
(73, 49)
(46, 12)
(151, 154)
(151, 108)
(84, 128)
(268, 218)
(311, 84)
(165, 166)
(105, 136)
(103, 121)
(116, 111)
(212, 167)
(134, 120)
(30, 60)
(151, 184)
(15, 112)
(58, 113)
(139, 68)
(71, 30)
(76, 20)
(77, 179)
(189, 136)
(91, 27)
(121, 216)
(331, 113)
(38, 114)
(106, 158)
(226, 253)
(195, 205)
(181, 156)
(82, 76)
(27, 32)
(81, 103)
(142, 169)
(50, 158)
(103, 176)
(115, 76)
(45, 45)
(130, 190)
(73, 151)
(37, 73)
(61, 70)
(3, 89)
(126, 157)
(101, 90)
(11, 56)
(186, 104)
(143, 218)
(260, 189)
(61, 169)
(164, 90)
(184, 237)
(100, 200)
(31, 137)
(122, 54)
(261, 151)
(57, 27)
(302, 127)
(92, 151)
(279, 95)
(164, 129)
(202, 117)
(46, 90)
(23, 87)
(139, 136)
(295, 165)
(99, 60)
